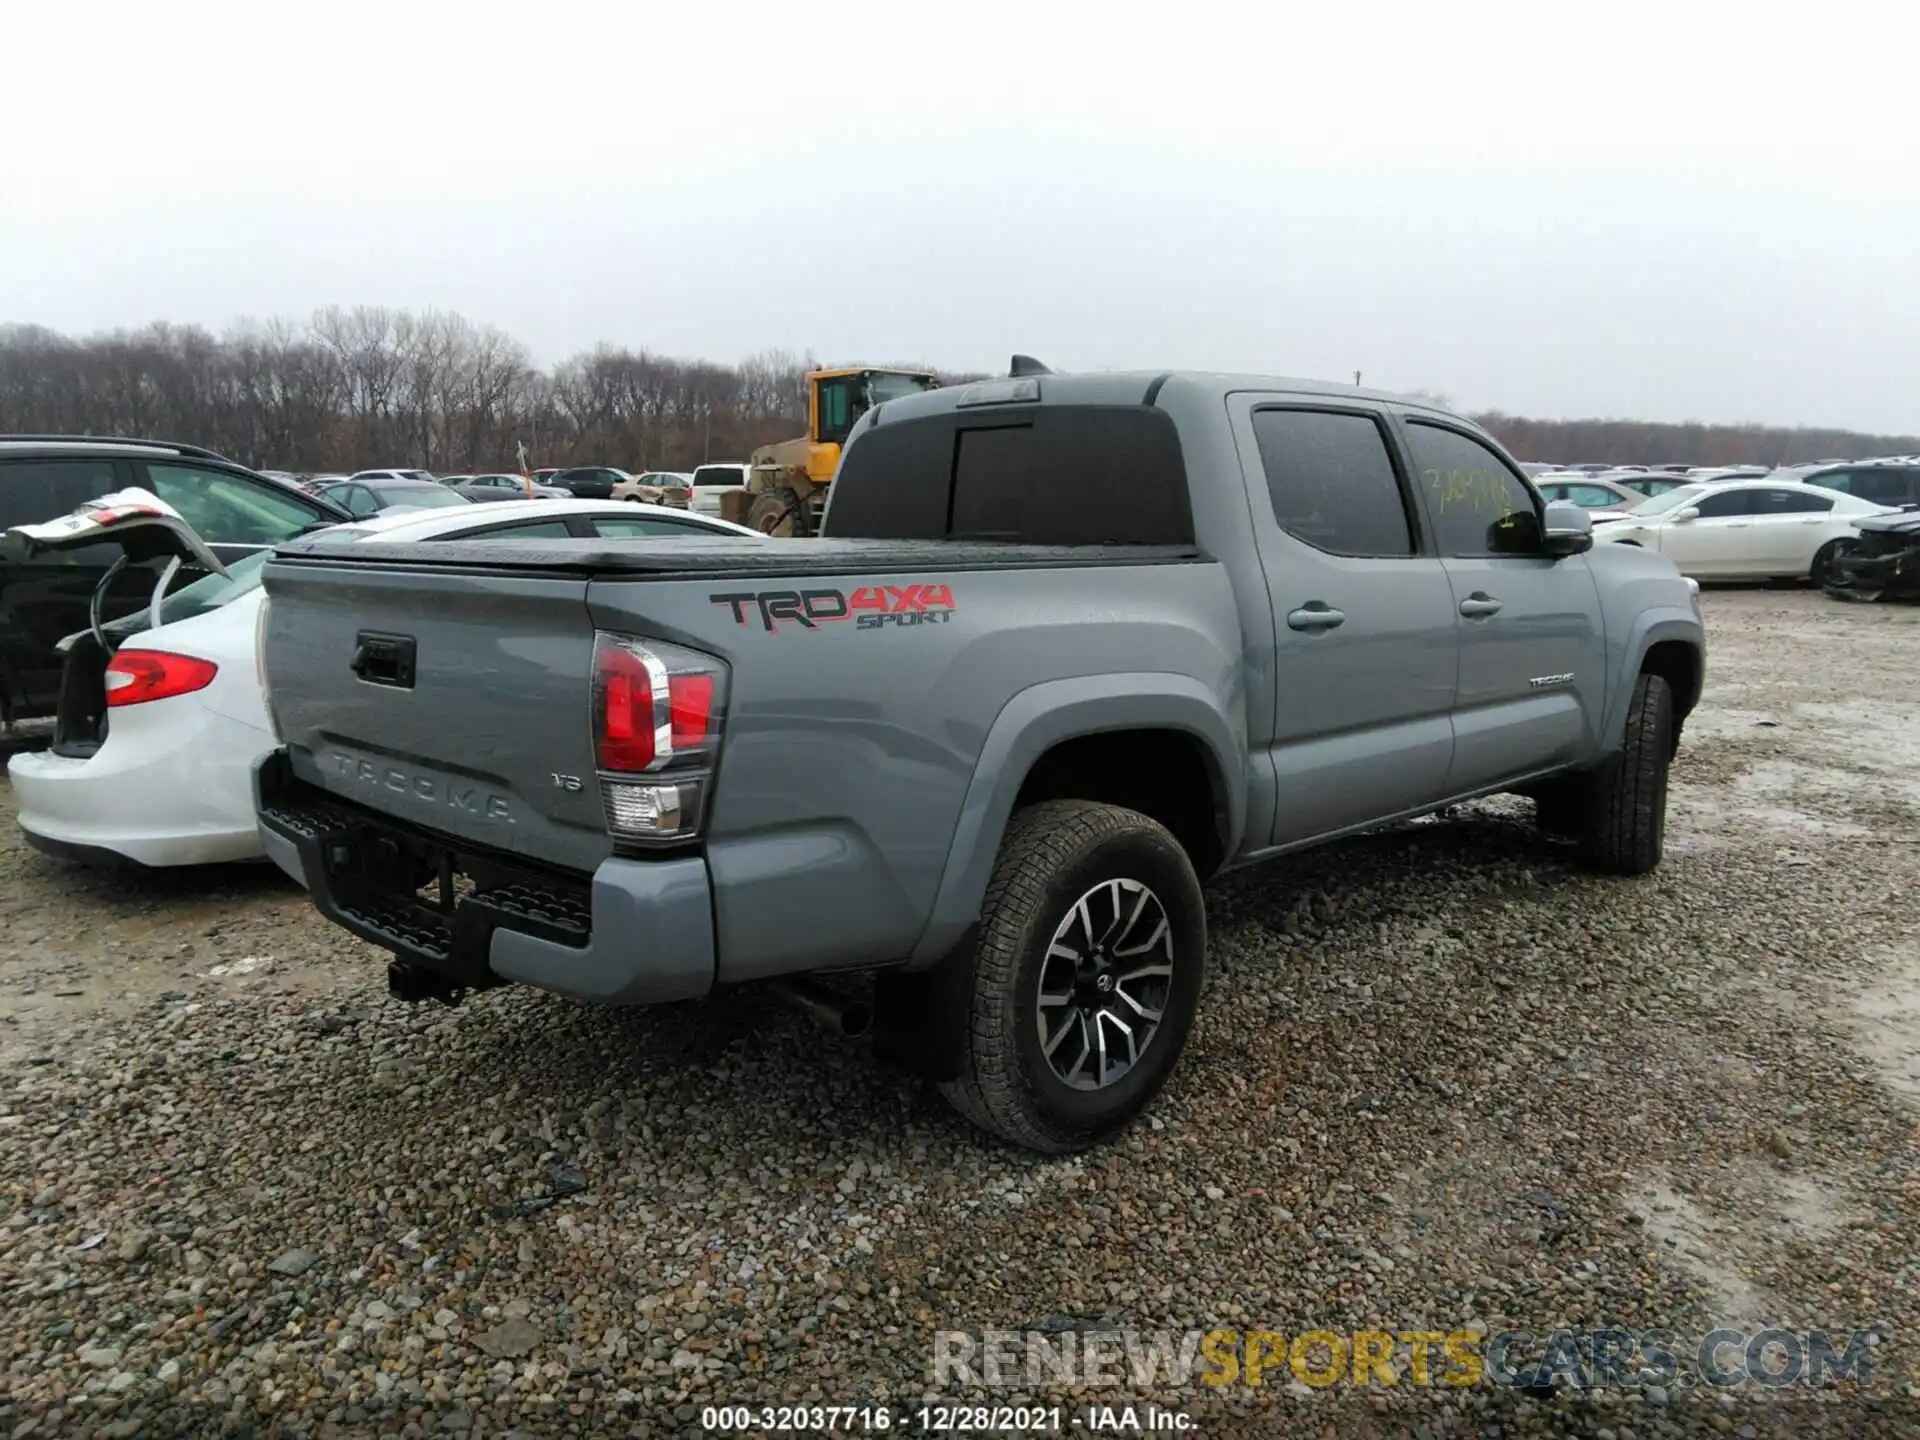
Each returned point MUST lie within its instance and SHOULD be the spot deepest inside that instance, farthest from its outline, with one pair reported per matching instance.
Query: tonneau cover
(690, 558)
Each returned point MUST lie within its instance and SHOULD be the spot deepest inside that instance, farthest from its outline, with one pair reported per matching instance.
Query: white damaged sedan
(1746, 529)
(159, 728)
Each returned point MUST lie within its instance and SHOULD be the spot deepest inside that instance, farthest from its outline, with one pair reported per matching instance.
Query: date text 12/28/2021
(941, 1419)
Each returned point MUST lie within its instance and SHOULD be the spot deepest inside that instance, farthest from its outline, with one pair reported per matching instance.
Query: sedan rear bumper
(167, 794)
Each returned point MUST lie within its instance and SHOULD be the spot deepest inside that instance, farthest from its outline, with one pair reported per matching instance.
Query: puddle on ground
(1699, 821)
(1716, 722)
(1688, 1236)
(1884, 1018)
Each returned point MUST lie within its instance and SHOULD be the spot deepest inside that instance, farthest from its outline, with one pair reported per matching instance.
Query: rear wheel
(1085, 977)
(779, 512)
(1824, 560)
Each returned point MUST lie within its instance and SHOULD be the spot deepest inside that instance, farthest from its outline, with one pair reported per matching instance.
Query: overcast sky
(1617, 210)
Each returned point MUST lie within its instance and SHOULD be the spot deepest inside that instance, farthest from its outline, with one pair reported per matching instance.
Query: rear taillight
(657, 714)
(137, 676)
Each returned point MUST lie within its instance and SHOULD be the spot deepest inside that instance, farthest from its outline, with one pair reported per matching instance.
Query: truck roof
(1132, 387)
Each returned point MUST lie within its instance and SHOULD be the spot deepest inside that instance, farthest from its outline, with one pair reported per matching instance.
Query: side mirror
(1568, 529)
(1684, 514)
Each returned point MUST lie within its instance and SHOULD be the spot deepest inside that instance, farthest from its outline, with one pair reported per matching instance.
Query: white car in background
(157, 767)
(1745, 529)
(711, 482)
(1602, 499)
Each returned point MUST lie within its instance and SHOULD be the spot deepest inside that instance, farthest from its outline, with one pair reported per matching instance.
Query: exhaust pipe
(851, 1018)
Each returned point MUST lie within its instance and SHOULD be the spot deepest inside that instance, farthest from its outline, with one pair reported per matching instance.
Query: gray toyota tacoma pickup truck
(1069, 646)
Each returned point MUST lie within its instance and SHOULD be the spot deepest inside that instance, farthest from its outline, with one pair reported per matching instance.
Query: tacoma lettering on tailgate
(870, 607)
(428, 789)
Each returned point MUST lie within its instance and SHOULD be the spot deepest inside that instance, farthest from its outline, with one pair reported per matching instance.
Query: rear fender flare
(1033, 722)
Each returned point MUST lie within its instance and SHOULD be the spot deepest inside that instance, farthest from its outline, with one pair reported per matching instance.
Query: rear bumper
(168, 789)
(637, 932)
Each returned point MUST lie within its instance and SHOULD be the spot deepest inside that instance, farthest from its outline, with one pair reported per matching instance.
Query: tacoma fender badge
(1543, 682)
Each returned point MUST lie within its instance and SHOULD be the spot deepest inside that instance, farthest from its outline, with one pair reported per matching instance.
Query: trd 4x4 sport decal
(871, 607)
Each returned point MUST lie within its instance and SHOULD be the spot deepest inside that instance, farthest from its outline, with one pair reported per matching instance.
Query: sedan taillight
(137, 676)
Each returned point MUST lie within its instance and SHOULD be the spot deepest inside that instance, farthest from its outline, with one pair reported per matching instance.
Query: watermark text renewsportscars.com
(1583, 1359)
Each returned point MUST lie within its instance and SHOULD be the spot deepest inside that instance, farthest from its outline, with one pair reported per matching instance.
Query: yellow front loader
(788, 482)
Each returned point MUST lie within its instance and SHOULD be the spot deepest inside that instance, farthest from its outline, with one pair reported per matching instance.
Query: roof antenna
(1026, 365)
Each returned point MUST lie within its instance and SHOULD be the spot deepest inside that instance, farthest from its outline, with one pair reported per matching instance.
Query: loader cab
(838, 398)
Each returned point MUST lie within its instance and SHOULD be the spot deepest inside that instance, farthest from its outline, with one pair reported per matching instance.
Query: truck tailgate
(453, 701)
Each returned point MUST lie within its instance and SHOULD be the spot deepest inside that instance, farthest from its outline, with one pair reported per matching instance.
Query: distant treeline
(1640, 442)
(348, 389)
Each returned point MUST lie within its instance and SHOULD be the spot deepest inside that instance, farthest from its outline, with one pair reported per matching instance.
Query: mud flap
(920, 1016)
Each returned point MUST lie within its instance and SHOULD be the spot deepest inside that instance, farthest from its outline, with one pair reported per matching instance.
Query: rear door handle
(1480, 604)
(1315, 615)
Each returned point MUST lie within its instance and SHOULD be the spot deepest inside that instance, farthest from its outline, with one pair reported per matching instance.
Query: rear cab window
(1061, 474)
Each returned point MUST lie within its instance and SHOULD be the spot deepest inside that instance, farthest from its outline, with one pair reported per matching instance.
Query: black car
(45, 476)
(1884, 564)
(1881, 483)
(589, 482)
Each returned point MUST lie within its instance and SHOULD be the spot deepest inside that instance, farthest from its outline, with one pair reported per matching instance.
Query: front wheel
(1821, 571)
(1085, 977)
(1618, 813)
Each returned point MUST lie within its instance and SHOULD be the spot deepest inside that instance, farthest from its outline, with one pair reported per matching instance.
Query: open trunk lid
(453, 701)
(145, 528)
(143, 525)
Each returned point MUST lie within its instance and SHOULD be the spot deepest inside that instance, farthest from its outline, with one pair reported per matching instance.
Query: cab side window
(1478, 504)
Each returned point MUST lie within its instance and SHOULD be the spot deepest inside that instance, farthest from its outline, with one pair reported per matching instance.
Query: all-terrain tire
(1619, 814)
(779, 512)
(1053, 854)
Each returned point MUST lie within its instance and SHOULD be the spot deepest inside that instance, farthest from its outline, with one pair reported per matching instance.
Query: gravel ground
(1442, 1080)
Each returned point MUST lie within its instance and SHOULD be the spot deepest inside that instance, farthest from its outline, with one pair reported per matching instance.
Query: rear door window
(1725, 504)
(1331, 481)
(527, 530)
(226, 509)
(1882, 487)
(623, 529)
(1784, 501)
